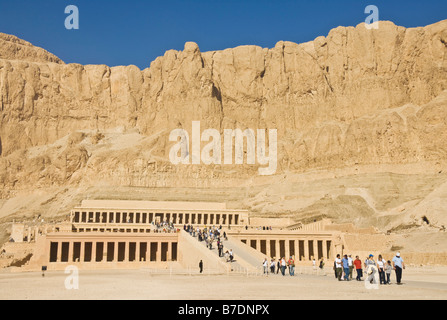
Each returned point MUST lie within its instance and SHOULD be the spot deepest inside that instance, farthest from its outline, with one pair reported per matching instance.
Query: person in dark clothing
(201, 266)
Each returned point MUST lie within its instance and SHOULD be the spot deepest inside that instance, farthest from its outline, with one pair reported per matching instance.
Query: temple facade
(105, 234)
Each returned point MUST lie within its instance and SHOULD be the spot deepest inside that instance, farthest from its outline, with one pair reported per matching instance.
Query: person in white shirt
(398, 266)
(351, 266)
(265, 266)
(381, 266)
(338, 267)
(283, 266)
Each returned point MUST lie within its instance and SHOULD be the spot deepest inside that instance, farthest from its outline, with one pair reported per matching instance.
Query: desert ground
(419, 283)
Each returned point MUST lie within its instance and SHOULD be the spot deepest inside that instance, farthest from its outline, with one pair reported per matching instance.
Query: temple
(107, 234)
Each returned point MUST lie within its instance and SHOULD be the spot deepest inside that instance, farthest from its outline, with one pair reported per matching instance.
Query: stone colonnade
(304, 247)
(99, 248)
(227, 217)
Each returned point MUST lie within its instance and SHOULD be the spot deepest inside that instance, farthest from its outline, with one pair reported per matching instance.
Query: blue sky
(136, 32)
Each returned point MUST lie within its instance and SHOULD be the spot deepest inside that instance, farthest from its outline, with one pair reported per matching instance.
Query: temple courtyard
(420, 283)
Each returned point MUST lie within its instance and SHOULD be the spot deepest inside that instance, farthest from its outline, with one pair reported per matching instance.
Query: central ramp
(245, 256)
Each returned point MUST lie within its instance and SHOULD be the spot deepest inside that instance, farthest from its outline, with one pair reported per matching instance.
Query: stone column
(278, 249)
(126, 251)
(315, 244)
(287, 248)
(137, 251)
(267, 248)
(59, 251)
(158, 256)
(297, 250)
(115, 253)
(169, 253)
(82, 251)
(325, 249)
(70, 251)
(104, 251)
(306, 249)
(93, 259)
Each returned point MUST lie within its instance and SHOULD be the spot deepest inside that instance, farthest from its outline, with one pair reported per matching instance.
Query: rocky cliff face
(357, 97)
(13, 48)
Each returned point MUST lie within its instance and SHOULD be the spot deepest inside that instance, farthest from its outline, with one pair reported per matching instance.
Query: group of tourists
(264, 228)
(211, 235)
(163, 227)
(281, 265)
(344, 267)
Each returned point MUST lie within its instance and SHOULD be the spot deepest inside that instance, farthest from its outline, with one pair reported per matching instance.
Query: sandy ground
(419, 284)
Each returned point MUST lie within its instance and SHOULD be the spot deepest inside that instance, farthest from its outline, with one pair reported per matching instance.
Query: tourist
(283, 266)
(398, 266)
(358, 268)
(321, 266)
(291, 264)
(211, 243)
(201, 266)
(334, 267)
(381, 267)
(227, 256)
(272, 266)
(338, 267)
(265, 266)
(220, 247)
(371, 269)
(351, 266)
(231, 255)
(345, 263)
(388, 269)
(278, 267)
(369, 261)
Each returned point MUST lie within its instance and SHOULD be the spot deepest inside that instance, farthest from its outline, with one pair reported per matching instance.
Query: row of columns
(153, 251)
(308, 249)
(149, 217)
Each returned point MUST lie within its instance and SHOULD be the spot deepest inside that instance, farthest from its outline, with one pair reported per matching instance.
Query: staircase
(246, 259)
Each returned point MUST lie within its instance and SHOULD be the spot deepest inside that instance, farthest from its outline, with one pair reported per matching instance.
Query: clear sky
(135, 32)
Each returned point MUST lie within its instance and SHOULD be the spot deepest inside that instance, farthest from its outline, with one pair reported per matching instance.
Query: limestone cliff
(13, 48)
(351, 100)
